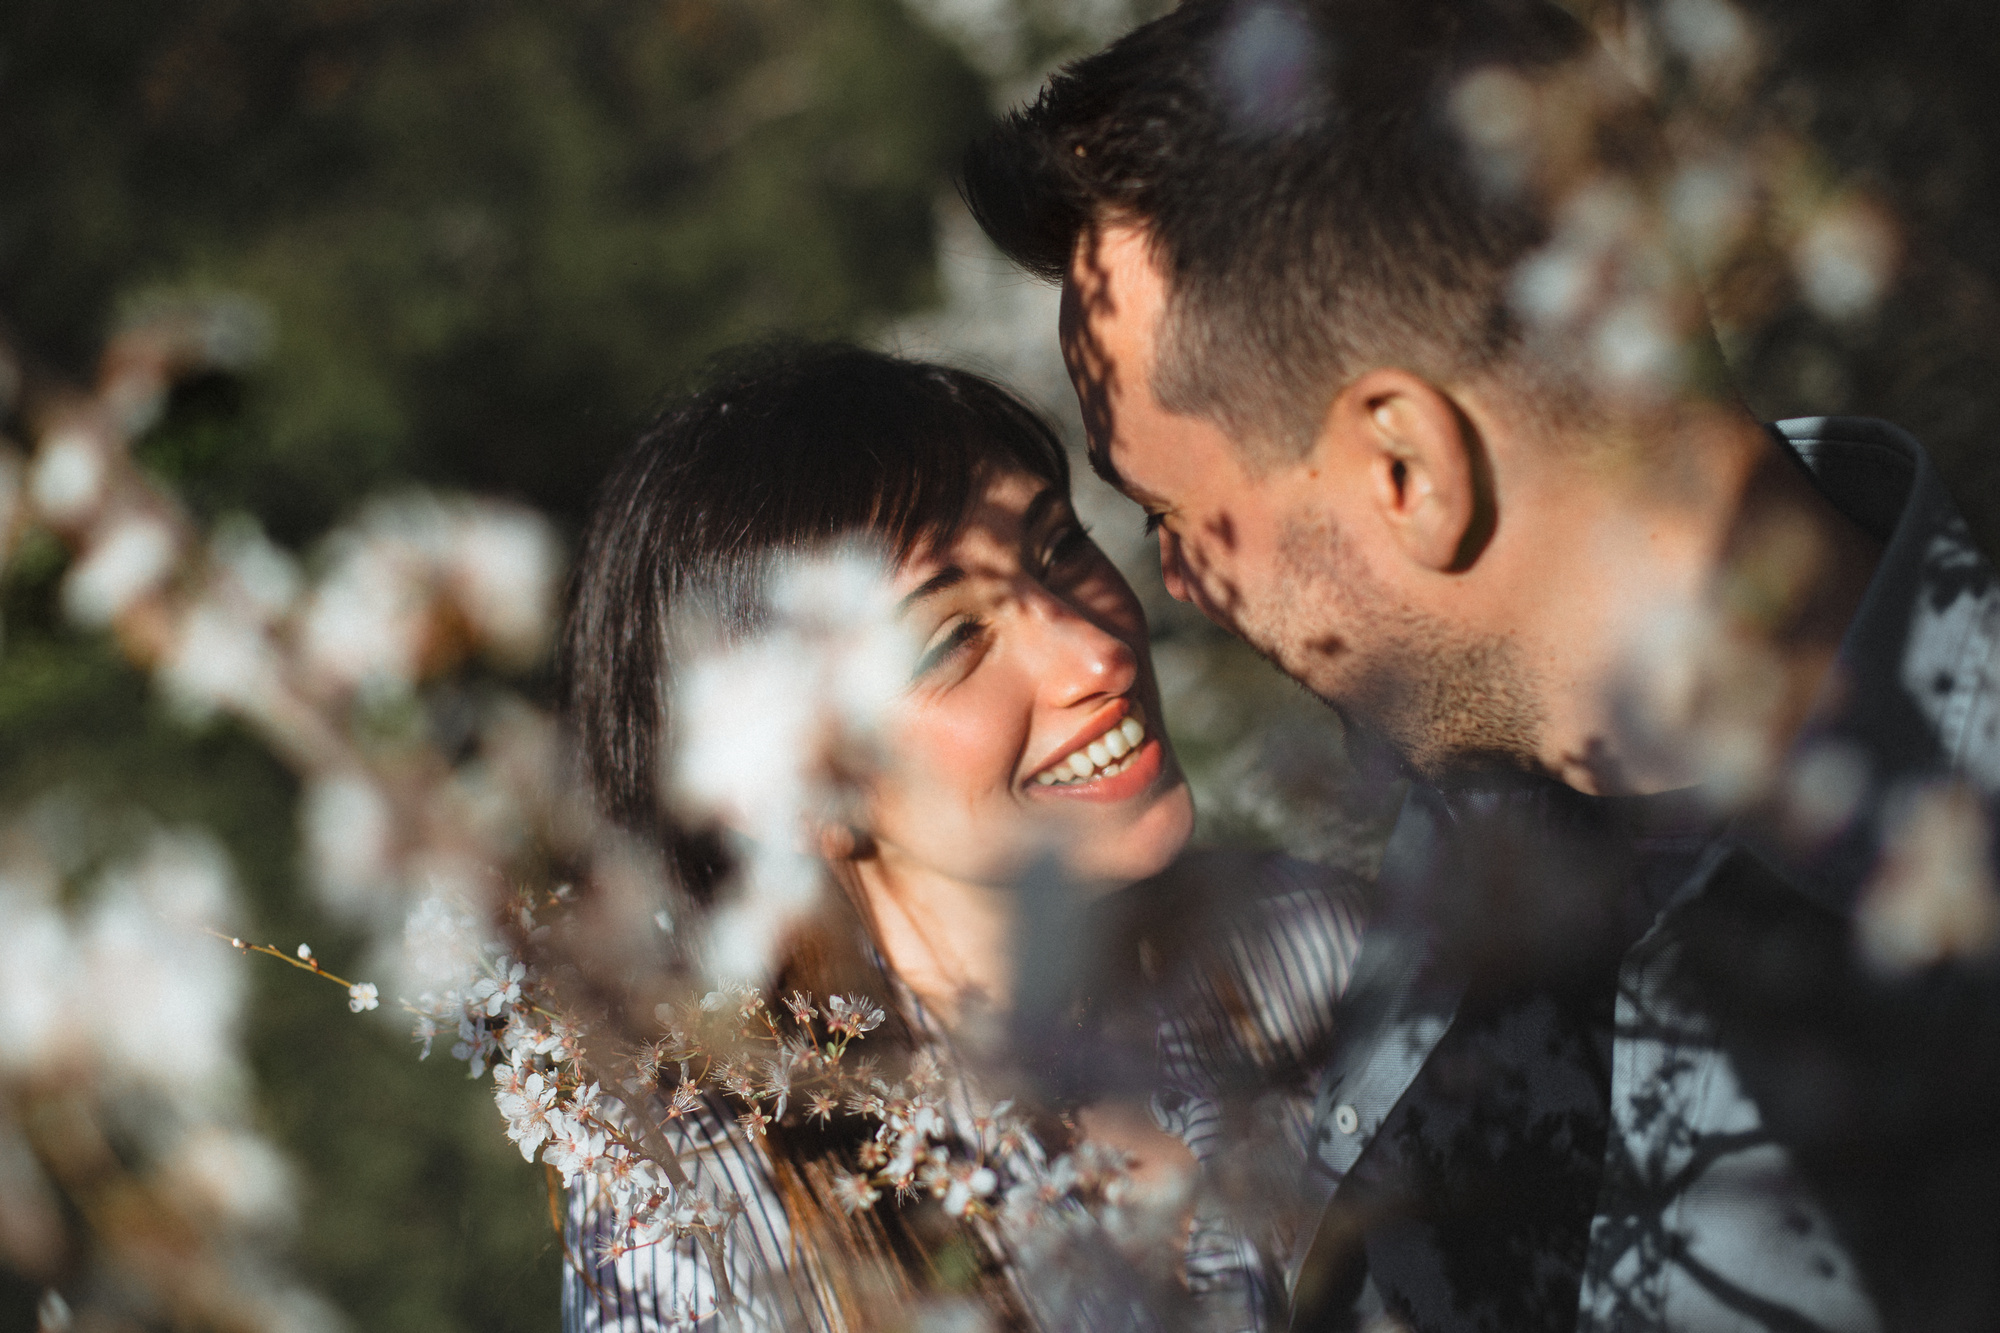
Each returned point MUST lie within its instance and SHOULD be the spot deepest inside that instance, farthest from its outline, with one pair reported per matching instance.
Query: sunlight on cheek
(950, 804)
(952, 757)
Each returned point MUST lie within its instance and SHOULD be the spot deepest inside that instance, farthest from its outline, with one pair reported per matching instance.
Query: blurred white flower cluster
(124, 1147)
(772, 733)
(122, 1088)
(417, 581)
(1741, 215)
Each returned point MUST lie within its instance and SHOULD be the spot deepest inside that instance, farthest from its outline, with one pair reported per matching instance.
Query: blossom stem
(303, 964)
(553, 1181)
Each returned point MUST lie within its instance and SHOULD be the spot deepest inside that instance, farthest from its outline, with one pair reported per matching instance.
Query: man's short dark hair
(1306, 188)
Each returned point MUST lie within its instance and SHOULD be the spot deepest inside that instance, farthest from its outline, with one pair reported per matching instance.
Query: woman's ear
(1425, 466)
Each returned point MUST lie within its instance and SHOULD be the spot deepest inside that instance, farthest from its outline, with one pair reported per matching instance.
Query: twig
(307, 963)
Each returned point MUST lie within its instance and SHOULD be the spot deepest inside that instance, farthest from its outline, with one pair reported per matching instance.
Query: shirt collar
(1912, 698)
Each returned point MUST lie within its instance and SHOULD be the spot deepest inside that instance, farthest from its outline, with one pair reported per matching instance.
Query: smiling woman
(1035, 668)
(1026, 738)
(1028, 630)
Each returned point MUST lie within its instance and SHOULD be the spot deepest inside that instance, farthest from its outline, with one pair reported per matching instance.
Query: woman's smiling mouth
(1104, 755)
(1114, 746)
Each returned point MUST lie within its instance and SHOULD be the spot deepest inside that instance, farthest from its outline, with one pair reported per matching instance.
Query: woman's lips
(1103, 720)
(1123, 767)
(1140, 773)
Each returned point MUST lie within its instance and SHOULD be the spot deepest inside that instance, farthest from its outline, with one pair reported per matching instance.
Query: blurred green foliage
(487, 236)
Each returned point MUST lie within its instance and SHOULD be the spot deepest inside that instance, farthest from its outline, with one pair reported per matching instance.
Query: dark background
(489, 235)
(1900, 95)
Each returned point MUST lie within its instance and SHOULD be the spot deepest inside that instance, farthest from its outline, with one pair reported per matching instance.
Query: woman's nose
(1076, 658)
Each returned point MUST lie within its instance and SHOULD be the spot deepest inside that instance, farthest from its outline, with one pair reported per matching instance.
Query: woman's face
(1032, 724)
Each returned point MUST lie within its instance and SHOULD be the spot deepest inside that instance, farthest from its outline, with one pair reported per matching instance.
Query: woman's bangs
(927, 477)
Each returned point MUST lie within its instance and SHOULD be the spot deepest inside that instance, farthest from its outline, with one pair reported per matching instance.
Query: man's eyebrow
(947, 577)
(1100, 463)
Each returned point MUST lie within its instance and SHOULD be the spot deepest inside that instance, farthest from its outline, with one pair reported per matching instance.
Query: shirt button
(1346, 1119)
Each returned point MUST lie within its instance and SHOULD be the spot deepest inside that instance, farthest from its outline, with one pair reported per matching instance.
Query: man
(1678, 1008)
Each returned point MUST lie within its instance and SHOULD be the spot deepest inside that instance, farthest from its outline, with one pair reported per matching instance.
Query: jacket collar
(1912, 698)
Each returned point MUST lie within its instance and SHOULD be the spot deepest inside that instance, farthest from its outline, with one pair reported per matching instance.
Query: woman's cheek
(968, 740)
(953, 769)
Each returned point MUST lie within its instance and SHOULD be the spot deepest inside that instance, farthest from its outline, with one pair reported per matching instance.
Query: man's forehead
(1113, 289)
(1116, 252)
(1112, 299)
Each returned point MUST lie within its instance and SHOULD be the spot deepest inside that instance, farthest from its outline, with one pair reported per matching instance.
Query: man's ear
(1425, 466)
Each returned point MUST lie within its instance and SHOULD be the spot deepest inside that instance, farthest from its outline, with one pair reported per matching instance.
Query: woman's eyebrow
(947, 577)
(1048, 499)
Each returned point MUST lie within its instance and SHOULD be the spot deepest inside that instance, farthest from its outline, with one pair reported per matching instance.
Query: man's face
(1221, 525)
(1284, 554)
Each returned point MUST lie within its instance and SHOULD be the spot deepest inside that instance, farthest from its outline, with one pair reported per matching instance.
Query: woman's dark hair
(784, 447)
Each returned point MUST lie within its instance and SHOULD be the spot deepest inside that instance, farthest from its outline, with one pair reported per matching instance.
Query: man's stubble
(1450, 703)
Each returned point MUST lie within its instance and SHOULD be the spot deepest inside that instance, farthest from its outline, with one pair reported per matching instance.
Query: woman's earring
(845, 842)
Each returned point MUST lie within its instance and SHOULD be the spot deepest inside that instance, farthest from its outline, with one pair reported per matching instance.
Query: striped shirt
(1243, 1037)
(671, 1285)
(1265, 945)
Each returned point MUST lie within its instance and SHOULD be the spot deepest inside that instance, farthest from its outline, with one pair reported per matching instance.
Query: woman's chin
(1135, 848)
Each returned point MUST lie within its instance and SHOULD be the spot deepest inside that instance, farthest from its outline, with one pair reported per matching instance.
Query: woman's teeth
(1108, 754)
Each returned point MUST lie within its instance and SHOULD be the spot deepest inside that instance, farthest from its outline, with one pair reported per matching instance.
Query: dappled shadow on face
(1089, 307)
(1086, 303)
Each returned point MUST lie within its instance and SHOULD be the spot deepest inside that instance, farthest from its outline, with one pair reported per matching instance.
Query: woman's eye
(948, 647)
(1069, 544)
(1153, 522)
